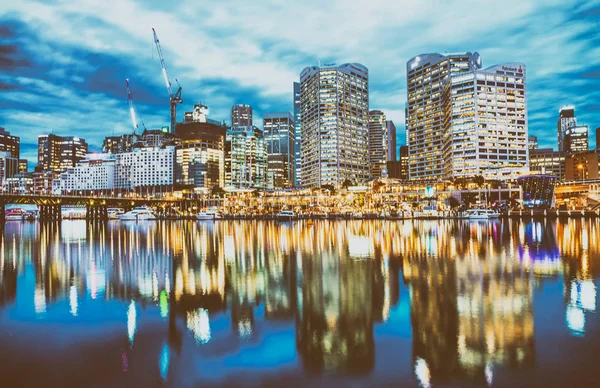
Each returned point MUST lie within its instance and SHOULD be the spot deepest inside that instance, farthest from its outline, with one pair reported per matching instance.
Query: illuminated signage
(513, 69)
(165, 129)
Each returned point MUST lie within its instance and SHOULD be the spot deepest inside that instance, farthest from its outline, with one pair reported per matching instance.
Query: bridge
(50, 206)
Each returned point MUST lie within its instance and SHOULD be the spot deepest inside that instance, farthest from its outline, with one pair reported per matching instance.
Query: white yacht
(480, 214)
(208, 215)
(114, 213)
(285, 215)
(138, 214)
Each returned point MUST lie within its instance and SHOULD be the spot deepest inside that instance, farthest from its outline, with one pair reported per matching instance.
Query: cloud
(77, 56)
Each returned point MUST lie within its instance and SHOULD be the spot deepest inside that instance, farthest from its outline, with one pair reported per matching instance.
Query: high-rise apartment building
(391, 132)
(378, 142)
(485, 123)
(9, 166)
(576, 139)
(121, 143)
(245, 158)
(57, 153)
(9, 143)
(427, 75)
(200, 154)
(298, 136)
(335, 124)
(279, 135)
(532, 142)
(241, 115)
(566, 120)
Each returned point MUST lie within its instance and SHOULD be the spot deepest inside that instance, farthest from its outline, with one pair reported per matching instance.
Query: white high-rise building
(145, 168)
(378, 142)
(485, 123)
(335, 124)
(427, 74)
(94, 174)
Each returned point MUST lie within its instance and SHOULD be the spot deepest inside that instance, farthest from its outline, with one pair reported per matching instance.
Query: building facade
(279, 134)
(200, 154)
(245, 158)
(297, 135)
(392, 143)
(576, 139)
(9, 166)
(57, 153)
(485, 130)
(583, 166)
(43, 180)
(145, 168)
(378, 142)
(18, 184)
(598, 138)
(427, 75)
(241, 115)
(93, 175)
(9, 143)
(335, 124)
(120, 144)
(547, 161)
(566, 120)
(532, 143)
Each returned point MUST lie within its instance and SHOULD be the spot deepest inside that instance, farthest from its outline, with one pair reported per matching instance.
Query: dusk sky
(63, 64)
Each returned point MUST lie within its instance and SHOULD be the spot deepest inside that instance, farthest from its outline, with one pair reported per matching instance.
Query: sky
(63, 64)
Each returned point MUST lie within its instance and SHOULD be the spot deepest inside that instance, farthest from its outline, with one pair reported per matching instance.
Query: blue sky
(63, 64)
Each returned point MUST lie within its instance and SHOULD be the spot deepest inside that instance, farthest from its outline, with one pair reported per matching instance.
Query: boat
(15, 214)
(138, 214)
(208, 215)
(285, 215)
(114, 213)
(480, 214)
(73, 213)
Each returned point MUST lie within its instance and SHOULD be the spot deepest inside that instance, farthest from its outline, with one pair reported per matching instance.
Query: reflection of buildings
(471, 314)
(580, 260)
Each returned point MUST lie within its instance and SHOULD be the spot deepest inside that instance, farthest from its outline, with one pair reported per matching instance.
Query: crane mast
(174, 98)
(132, 111)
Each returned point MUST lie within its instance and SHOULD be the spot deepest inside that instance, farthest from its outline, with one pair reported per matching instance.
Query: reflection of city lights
(39, 301)
(164, 361)
(164, 304)
(229, 248)
(422, 373)
(73, 300)
(360, 247)
(244, 328)
(199, 324)
(575, 320)
(96, 280)
(131, 322)
(489, 374)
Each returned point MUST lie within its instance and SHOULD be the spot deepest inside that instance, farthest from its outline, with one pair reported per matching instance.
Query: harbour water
(323, 303)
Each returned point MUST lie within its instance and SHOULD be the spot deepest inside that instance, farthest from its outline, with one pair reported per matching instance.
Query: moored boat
(138, 214)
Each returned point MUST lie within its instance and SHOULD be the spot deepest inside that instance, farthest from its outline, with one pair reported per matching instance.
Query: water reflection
(227, 295)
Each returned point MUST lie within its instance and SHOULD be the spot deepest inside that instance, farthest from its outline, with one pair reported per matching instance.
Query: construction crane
(174, 98)
(132, 110)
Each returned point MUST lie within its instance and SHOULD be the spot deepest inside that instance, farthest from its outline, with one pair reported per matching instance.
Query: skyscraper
(9, 143)
(598, 138)
(57, 153)
(391, 131)
(279, 136)
(241, 115)
(485, 123)
(427, 74)
(335, 124)
(566, 120)
(378, 142)
(576, 139)
(298, 136)
(532, 142)
(245, 158)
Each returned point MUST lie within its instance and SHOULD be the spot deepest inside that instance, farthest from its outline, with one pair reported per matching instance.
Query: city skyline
(64, 66)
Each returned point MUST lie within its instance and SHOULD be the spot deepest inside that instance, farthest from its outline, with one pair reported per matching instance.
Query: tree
(479, 180)
(329, 188)
(347, 183)
(217, 191)
(453, 203)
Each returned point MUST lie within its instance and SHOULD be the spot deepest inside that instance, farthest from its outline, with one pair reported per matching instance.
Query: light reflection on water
(256, 302)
